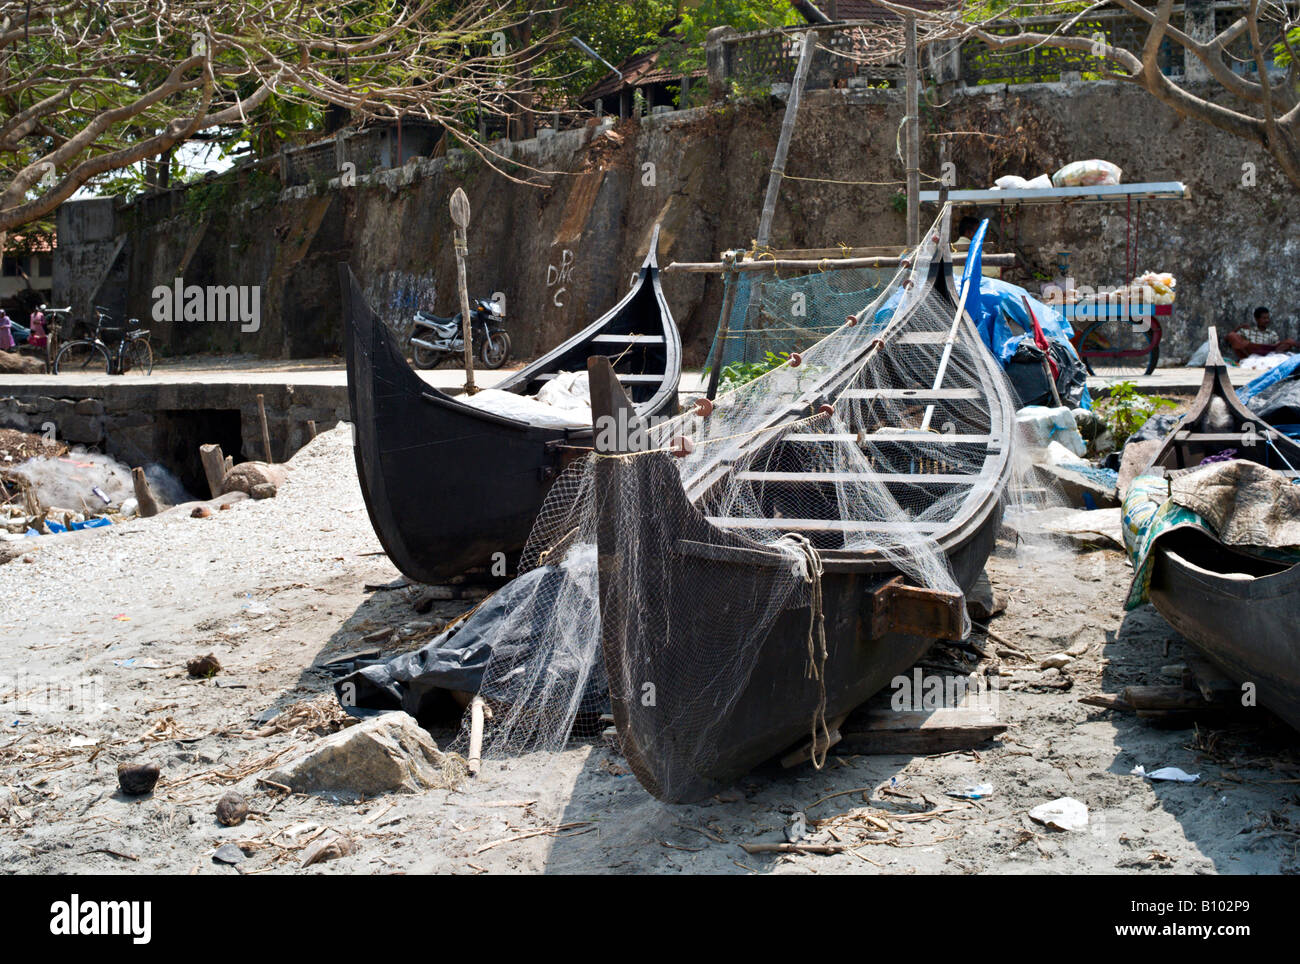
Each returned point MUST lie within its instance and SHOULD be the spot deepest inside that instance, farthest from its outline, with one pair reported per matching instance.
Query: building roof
(867, 10)
(638, 71)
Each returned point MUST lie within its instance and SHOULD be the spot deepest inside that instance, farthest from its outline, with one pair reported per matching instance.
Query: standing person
(6, 331)
(1255, 338)
(37, 338)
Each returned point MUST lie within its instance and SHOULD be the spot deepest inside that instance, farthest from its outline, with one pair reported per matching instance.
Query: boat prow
(449, 486)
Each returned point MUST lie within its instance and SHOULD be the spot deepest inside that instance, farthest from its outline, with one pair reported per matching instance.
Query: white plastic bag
(1008, 182)
(1087, 174)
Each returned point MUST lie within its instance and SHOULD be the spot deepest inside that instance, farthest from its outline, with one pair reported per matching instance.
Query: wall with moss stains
(562, 252)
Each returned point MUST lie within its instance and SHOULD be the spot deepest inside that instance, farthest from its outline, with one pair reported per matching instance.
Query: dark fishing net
(693, 559)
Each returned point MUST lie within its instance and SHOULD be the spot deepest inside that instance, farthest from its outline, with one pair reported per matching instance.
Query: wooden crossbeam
(629, 339)
(913, 394)
(910, 438)
(914, 478)
(822, 525)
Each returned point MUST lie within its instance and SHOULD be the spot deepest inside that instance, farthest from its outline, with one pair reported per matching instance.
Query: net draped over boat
(878, 441)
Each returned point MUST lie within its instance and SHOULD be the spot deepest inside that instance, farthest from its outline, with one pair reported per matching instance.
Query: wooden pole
(266, 434)
(809, 44)
(148, 505)
(460, 217)
(913, 138)
(823, 264)
(214, 467)
(478, 711)
(729, 280)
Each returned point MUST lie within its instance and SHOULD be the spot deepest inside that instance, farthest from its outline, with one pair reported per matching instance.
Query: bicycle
(132, 350)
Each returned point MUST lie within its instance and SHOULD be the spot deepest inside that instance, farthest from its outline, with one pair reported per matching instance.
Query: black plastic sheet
(422, 682)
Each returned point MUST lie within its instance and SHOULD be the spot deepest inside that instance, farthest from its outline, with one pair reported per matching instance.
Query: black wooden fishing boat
(448, 485)
(690, 721)
(1237, 609)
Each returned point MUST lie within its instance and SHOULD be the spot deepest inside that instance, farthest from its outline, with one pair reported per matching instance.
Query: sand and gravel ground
(96, 629)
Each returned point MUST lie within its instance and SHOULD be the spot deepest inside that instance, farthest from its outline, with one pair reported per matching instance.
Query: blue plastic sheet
(1271, 377)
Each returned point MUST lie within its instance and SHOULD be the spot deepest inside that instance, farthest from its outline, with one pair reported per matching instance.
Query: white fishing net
(725, 572)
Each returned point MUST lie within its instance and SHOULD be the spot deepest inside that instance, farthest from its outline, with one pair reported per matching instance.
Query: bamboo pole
(913, 138)
(724, 324)
(460, 217)
(809, 44)
(478, 711)
(827, 264)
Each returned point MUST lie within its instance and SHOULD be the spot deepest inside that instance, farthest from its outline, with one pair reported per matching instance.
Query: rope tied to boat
(812, 568)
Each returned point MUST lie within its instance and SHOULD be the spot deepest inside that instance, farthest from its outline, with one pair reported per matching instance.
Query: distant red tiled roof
(40, 244)
(638, 70)
(866, 10)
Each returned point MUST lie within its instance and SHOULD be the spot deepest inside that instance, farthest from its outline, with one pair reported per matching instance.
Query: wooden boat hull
(707, 635)
(1238, 611)
(449, 486)
(772, 709)
(1244, 624)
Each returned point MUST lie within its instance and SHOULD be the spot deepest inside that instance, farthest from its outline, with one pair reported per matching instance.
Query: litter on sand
(977, 791)
(1063, 814)
(1173, 774)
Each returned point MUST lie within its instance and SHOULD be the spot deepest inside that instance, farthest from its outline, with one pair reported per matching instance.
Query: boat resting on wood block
(1239, 610)
(879, 456)
(449, 485)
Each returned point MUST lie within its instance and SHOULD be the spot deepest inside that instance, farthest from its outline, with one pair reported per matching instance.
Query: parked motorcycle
(435, 338)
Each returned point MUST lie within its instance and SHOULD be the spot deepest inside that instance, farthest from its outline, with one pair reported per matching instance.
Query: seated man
(1255, 339)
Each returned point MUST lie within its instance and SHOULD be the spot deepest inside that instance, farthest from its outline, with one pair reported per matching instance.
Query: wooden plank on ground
(881, 730)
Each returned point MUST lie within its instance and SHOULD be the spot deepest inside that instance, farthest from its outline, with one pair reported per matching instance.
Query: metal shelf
(1098, 194)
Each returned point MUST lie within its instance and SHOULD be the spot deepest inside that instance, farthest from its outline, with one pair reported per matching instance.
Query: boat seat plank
(921, 338)
(916, 478)
(628, 339)
(821, 525)
(914, 394)
(1241, 438)
(927, 438)
(626, 379)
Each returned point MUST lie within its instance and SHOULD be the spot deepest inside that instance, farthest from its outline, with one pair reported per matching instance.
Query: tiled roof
(637, 71)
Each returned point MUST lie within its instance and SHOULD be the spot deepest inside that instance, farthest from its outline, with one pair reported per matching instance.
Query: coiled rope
(812, 568)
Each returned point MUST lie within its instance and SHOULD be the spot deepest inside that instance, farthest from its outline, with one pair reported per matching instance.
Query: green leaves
(1125, 411)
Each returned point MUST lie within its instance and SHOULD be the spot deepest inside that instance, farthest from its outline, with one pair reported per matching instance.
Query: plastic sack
(1040, 426)
(1087, 174)
(1042, 182)
(1009, 182)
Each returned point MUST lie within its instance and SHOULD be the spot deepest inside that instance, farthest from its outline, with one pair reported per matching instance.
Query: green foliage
(898, 201)
(1125, 411)
(616, 30)
(739, 373)
(1281, 55)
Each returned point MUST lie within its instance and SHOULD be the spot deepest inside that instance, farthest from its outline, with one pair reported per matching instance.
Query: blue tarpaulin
(998, 310)
(1271, 377)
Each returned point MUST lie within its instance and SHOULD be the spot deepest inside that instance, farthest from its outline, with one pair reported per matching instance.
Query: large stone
(82, 429)
(390, 753)
(244, 476)
(88, 406)
(12, 363)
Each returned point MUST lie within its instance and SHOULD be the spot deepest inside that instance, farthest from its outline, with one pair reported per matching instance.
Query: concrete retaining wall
(562, 252)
